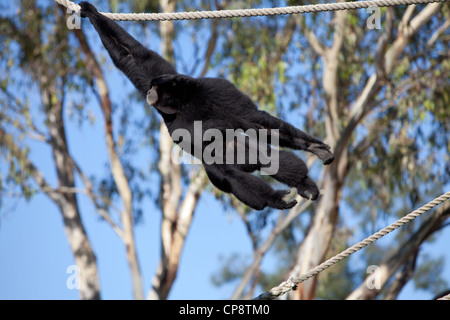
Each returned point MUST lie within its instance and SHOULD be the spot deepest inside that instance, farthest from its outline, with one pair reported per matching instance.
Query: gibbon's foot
(276, 200)
(308, 189)
(322, 151)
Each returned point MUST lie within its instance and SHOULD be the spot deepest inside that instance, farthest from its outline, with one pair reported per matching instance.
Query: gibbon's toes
(282, 193)
(277, 201)
(282, 205)
(308, 189)
(307, 195)
(323, 152)
(329, 159)
(290, 204)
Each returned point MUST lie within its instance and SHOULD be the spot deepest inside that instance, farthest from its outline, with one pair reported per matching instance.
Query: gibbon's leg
(291, 170)
(294, 173)
(291, 137)
(249, 189)
(138, 63)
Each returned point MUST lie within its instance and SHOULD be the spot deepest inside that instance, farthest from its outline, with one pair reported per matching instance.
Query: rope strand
(292, 282)
(447, 297)
(249, 12)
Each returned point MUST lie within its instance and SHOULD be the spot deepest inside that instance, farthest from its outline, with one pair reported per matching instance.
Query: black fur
(218, 104)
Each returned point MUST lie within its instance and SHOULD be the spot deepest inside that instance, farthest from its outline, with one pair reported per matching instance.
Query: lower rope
(447, 297)
(292, 283)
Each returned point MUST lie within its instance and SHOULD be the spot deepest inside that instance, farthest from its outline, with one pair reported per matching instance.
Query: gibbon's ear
(153, 99)
(152, 96)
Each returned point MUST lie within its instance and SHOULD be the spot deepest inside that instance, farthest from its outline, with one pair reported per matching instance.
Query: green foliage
(253, 47)
(232, 268)
(429, 275)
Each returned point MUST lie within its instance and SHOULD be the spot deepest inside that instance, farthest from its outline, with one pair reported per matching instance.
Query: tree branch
(438, 32)
(405, 250)
(172, 235)
(27, 166)
(212, 42)
(402, 278)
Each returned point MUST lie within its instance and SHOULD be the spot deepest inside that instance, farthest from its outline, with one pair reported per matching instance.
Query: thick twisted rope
(292, 283)
(447, 297)
(249, 12)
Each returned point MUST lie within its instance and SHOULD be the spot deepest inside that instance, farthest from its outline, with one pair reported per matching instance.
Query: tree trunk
(67, 203)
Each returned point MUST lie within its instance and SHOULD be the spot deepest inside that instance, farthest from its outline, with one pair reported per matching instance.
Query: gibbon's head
(167, 92)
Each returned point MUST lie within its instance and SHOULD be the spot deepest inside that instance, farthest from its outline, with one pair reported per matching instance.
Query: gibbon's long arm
(139, 64)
